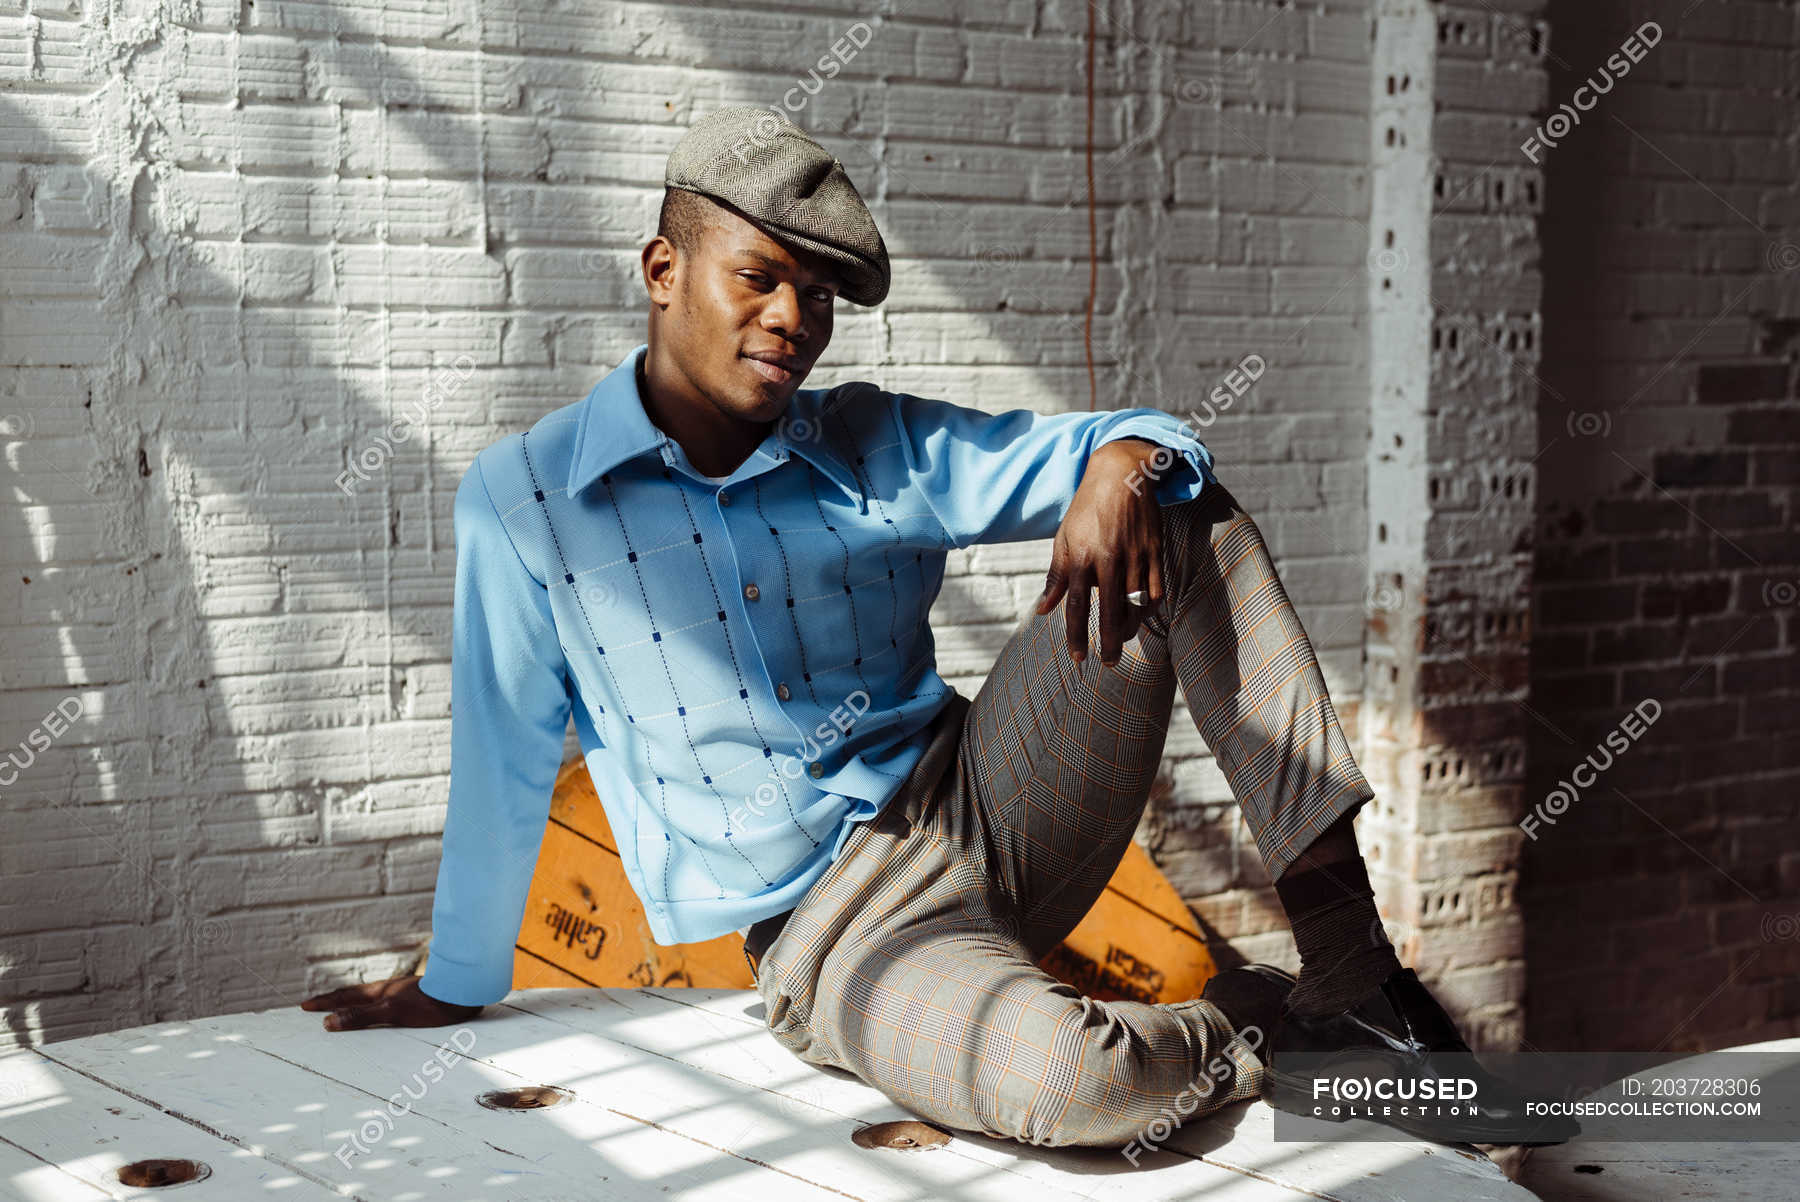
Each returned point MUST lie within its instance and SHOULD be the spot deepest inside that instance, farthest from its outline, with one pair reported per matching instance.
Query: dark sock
(1344, 952)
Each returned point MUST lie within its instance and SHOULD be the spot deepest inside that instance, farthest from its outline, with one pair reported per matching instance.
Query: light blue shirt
(749, 665)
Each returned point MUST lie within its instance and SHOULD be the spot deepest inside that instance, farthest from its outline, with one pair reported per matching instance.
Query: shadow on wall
(1659, 878)
(232, 475)
(226, 616)
(172, 452)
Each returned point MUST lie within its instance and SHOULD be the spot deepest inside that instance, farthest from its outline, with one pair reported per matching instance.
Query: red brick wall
(1662, 904)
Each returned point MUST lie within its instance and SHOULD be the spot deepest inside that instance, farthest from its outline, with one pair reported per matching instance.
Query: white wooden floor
(1594, 1170)
(677, 1094)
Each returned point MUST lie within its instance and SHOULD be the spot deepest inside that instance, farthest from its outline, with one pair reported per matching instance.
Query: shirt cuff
(1179, 475)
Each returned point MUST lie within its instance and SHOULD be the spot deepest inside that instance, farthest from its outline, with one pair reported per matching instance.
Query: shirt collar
(613, 428)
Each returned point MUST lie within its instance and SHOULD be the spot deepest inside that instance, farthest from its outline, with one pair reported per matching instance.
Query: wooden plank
(28, 1178)
(754, 1120)
(792, 1115)
(678, 1094)
(1238, 1141)
(302, 1109)
(628, 1092)
(739, 1005)
(1591, 1170)
(63, 1138)
(730, 1045)
(1349, 1171)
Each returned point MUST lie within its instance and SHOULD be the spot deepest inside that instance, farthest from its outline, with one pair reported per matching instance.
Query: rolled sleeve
(510, 700)
(1003, 477)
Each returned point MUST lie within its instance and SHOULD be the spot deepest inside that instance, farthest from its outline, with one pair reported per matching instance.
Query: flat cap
(779, 178)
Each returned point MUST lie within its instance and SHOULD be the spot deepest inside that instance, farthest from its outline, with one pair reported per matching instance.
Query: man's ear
(659, 261)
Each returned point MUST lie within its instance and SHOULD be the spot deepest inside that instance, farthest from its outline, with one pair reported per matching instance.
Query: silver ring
(1139, 598)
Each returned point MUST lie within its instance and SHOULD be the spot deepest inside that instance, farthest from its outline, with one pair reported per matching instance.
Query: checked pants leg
(911, 962)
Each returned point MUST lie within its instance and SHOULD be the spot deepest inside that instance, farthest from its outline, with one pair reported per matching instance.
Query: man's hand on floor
(397, 1002)
(1110, 539)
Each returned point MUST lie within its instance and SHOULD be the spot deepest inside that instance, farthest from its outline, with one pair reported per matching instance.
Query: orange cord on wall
(1087, 328)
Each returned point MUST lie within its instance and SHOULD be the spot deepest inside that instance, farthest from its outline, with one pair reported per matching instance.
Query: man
(726, 579)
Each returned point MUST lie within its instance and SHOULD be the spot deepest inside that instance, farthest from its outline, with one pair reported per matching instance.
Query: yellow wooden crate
(584, 926)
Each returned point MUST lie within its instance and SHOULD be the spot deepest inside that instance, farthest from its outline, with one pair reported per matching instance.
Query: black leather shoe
(1399, 1033)
(1251, 998)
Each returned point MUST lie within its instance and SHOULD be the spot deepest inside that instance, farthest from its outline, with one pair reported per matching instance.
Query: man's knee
(1136, 1129)
(1191, 531)
(1111, 1095)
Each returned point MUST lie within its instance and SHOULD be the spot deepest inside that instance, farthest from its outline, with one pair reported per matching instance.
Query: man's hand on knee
(1110, 540)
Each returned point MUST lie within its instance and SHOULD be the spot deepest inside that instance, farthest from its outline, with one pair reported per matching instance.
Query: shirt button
(751, 592)
(782, 691)
(817, 769)
(724, 497)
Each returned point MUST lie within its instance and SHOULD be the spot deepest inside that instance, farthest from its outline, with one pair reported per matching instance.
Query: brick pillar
(1399, 307)
(1453, 319)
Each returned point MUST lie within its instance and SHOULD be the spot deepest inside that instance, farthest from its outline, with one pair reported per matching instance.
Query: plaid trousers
(911, 962)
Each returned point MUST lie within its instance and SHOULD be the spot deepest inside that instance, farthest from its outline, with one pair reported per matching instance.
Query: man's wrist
(1142, 464)
(1130, 459)
(1134, 445)
(1131, 450)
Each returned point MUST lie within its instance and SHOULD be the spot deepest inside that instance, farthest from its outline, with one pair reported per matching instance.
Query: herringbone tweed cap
(777, 176)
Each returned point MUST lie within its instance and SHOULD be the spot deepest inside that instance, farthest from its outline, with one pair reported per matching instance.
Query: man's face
(747, 317)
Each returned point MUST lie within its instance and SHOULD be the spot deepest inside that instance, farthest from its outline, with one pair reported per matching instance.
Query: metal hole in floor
(158, 1173)
(905, 1135)
(527, 1097)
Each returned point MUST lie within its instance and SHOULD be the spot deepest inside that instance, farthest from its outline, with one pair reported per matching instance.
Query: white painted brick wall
(237, 240)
